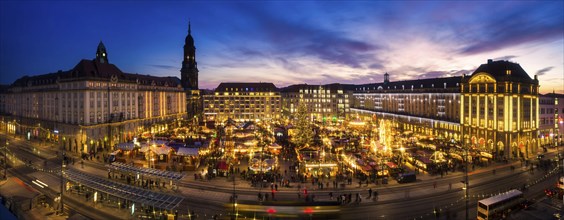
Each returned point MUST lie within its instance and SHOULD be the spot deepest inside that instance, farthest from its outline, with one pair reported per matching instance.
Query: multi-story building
(499, 110)
(426, 106)
(242, 102)
(94, 103)
(324, 102)
(551, 119)
(493, 110)
(3, 93)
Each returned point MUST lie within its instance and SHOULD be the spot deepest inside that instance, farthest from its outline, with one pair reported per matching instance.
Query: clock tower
(101, 54)
(189, 78)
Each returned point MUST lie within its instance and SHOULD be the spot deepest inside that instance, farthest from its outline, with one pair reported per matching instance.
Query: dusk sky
(287, 42)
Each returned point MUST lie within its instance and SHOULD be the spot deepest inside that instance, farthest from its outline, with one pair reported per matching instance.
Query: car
(407, 178)
(526, 204)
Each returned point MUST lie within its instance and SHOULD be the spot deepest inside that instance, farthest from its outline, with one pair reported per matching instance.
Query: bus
(496, 207)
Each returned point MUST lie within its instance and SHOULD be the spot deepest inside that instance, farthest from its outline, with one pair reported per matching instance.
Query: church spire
(189, 70)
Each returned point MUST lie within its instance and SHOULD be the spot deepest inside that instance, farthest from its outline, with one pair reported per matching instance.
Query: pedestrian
(435, 185)
(369, 193)
(331, 195)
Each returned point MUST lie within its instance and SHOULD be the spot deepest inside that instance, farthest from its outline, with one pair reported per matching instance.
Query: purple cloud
(297, 38)
(508, 57)
(440, 74)
(166, 67)
(544, 70)
(520, 25)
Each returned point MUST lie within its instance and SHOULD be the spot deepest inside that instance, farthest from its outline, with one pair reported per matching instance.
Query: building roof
(499, 69)
(297, 87)
(246, 86)
(92, 69)
(4, 88)
(552, 95)
(446, 84)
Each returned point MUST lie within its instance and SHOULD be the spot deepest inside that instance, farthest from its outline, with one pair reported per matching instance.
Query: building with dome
(95, 104)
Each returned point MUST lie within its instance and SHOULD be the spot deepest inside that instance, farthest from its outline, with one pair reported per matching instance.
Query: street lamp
(5, 158)
(234, 197)
(559, 142)
(466, 183)
(62, 177)
(402, 150)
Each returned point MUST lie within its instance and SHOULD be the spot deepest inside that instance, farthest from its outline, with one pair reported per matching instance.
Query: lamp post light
(466, 183)
(234, 197)
(402, 151)
(558, 143)
(5, 158)
(62, 178)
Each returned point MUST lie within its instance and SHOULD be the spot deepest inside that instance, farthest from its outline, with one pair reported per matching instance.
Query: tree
(304, 133)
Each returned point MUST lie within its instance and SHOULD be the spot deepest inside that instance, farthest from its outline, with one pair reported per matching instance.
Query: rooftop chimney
(490, 61)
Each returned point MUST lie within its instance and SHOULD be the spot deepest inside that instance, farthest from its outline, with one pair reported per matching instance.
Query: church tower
(189, 79)
(189, 71)
(101, 54)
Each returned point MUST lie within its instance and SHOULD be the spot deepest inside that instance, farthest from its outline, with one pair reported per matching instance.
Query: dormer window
(508, 72)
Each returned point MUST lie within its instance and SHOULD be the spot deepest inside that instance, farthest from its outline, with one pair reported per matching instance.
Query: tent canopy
(186, 151)
(126, 146)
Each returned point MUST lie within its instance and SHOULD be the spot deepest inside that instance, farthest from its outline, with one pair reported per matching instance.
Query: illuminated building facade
(94, 103)
(427, 106)
(324, 102)
(499, 110)
(495, 109)
(242, 102)
(551, 122)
